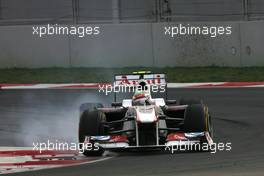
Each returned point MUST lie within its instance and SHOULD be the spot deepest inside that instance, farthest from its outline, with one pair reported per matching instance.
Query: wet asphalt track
(238, 117)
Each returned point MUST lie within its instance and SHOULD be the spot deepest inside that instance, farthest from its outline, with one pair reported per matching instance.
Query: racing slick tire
(91, 124)
(185, 101)
(197, 119)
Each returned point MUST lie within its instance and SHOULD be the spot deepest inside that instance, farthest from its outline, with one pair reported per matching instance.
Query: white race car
(143, 122)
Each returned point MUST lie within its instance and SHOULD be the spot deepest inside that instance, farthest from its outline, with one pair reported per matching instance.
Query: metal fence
(125, 11)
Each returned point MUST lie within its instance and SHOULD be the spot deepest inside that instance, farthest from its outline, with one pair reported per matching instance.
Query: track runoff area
(20, 159)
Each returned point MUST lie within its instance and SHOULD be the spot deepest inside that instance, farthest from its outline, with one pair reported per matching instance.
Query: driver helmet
(141, 94)
(140, 98)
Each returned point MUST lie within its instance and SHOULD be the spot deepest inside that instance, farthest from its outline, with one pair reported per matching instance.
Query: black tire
(89, 106)
(91, 124)
(196, 118)
(185, 101)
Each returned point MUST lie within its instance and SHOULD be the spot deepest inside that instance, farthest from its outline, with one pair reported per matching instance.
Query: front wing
(118, 142)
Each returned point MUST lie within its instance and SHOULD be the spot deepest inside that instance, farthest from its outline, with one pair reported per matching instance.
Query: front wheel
(91, 124)
(197, 119)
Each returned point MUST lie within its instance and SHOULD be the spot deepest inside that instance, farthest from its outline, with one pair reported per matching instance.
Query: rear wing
(133, 79)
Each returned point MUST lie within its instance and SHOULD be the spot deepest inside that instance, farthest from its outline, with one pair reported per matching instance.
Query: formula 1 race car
(143, 122)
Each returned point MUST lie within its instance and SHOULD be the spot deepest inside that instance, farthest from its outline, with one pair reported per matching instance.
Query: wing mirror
(171, 102)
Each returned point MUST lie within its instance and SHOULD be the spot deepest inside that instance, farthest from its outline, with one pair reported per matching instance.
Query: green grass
(90, 75)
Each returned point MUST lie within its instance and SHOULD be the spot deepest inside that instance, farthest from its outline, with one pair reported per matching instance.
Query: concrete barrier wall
(123, 46)
(252, 47)
(127, 45)
(19, 48)
(197, 50)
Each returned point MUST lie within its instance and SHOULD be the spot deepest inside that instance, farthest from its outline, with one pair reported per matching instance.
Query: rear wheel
(91, 124)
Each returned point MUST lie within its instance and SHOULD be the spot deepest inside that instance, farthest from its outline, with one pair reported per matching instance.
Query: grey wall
(118, 45)
(197, 50)
(101, 11)
(19, 48)
(125, 45)
(36, 9)
(208, 9)
(252, 48)
(91, 10)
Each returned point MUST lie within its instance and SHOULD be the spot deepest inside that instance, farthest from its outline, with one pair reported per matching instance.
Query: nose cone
(146, 114)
